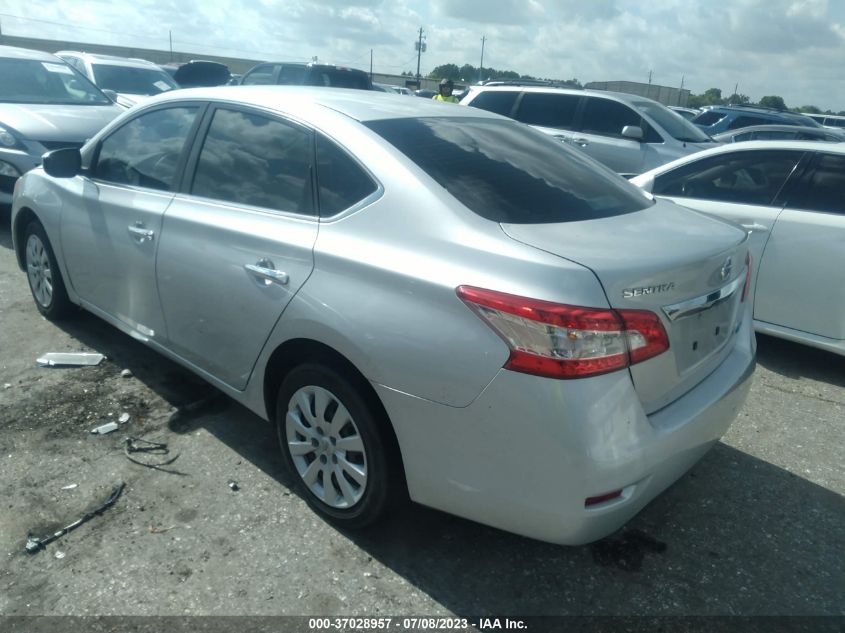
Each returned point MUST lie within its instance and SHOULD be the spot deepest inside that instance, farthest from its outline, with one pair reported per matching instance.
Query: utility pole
(371, 65)
(481, 65)
(170, 33)
(649, 77)
(420, 48)
(736, 88)
(681, 90)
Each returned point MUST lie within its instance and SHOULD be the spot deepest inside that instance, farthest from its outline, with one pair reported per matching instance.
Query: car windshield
(507, 172)
(131, 80)
(677, 127)
(47, 82)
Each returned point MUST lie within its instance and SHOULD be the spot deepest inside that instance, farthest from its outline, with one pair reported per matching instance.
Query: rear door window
(747, 121)
(748, 177)
(708, 118)
(261, 76)
(507, 172)
(823, 188)
(145, 152)
(607, 118)
(498, 101)
(548, 110)
(256, 160)
(341, 182)
(292, 75)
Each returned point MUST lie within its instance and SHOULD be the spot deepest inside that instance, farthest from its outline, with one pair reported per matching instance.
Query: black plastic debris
(134, 445)
(234, 485)
(34, 543)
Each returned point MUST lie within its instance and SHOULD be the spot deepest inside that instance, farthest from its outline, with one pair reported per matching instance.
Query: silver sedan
(426, 301)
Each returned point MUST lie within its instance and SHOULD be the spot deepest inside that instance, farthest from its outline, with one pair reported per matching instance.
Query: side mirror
(634, 132)
(62, 163)
(111, 94)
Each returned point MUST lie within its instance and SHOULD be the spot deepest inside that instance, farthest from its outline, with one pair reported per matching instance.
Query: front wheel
(42, 272)
(331, 439)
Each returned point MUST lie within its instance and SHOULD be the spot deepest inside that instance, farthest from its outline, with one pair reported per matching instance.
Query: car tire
(333, 443)
(42, 272)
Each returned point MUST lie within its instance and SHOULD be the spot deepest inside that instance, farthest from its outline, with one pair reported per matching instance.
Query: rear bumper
(528, 452)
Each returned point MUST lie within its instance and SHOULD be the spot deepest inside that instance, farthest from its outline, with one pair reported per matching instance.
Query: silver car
(430, 301)
(44, 105)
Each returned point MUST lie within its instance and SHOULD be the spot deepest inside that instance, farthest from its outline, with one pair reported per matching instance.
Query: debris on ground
(137, 445)
(105, 428)
(69, 487)
(626, 551)
(124, 418)
(69, 359)
(59, 554)
(7, 385)
(34, 543)
(234, 485)
(158, 530)
(126, 373)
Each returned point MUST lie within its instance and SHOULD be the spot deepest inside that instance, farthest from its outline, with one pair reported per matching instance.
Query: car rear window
(507, 172)
(708, 118)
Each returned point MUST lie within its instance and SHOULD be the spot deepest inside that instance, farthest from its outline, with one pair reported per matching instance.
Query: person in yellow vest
(445, 91)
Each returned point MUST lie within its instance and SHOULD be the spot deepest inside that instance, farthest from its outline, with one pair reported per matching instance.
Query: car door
(110, 236)
(237, 240)
(800, 281)
(551, 113)
(741, 186)
(599, 134)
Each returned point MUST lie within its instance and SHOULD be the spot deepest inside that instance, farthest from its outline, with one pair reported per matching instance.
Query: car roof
(361, 105)
(747, 146)
(14, 52)
(111, 60)
(618, 96)
(775, 128)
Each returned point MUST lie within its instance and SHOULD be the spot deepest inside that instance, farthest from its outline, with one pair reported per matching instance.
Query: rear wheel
(42, 272)
(331, 439)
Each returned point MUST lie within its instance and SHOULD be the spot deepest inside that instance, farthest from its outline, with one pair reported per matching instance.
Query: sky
(791, 48)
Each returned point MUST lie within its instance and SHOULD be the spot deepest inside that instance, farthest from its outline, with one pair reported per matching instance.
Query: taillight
(748, 263)
(564, 341)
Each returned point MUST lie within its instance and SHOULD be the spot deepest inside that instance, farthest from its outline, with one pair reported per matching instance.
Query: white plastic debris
(124, 418)
(106, 428)
(126, 373)
(59, 554)
(7, 385)
(69, 487)
(76, 359)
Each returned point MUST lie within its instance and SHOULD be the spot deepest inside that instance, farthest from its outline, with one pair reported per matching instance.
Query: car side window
(261, 76)
(341, 182)
(548, 110)
(498, 101)
(256, 160)
(607, 117)
(745, 136)
(292, 75)
(746, 121)
(708, 118)
(823, 189)
(145, 151)
(748, 177)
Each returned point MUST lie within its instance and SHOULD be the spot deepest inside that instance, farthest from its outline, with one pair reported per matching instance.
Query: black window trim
(178, 174)
(576, 115)
(360, 204)
(645, 126)
(198, 141)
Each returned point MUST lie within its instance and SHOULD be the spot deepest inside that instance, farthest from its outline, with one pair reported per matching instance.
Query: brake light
(748, 264)
(563, 341)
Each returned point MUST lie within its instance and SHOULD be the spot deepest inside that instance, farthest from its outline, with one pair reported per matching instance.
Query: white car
(132, 80)
(790, 196)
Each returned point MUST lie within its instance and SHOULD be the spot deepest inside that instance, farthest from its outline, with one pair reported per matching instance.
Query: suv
(628, 133)
(828, 120)
(300, 74)
(731, 117)
(131, 80)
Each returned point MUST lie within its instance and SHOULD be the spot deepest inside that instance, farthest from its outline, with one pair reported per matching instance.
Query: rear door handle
(138, 231)
(754, 226)
(264, 270)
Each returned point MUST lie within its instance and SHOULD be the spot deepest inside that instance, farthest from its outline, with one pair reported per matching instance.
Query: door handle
(581, 142)
(264, 270)
(140, 233)
(754, 226)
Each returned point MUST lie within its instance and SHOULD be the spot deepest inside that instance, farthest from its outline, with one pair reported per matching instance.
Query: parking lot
(756, 528)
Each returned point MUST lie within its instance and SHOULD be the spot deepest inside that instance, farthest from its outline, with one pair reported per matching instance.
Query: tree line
(469, 74)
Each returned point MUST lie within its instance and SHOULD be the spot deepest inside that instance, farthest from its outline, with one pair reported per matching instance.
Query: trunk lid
(686, 267)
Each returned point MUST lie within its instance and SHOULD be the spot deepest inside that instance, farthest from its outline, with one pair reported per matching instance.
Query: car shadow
(6, 226)
(735, 536)
(794, 360)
